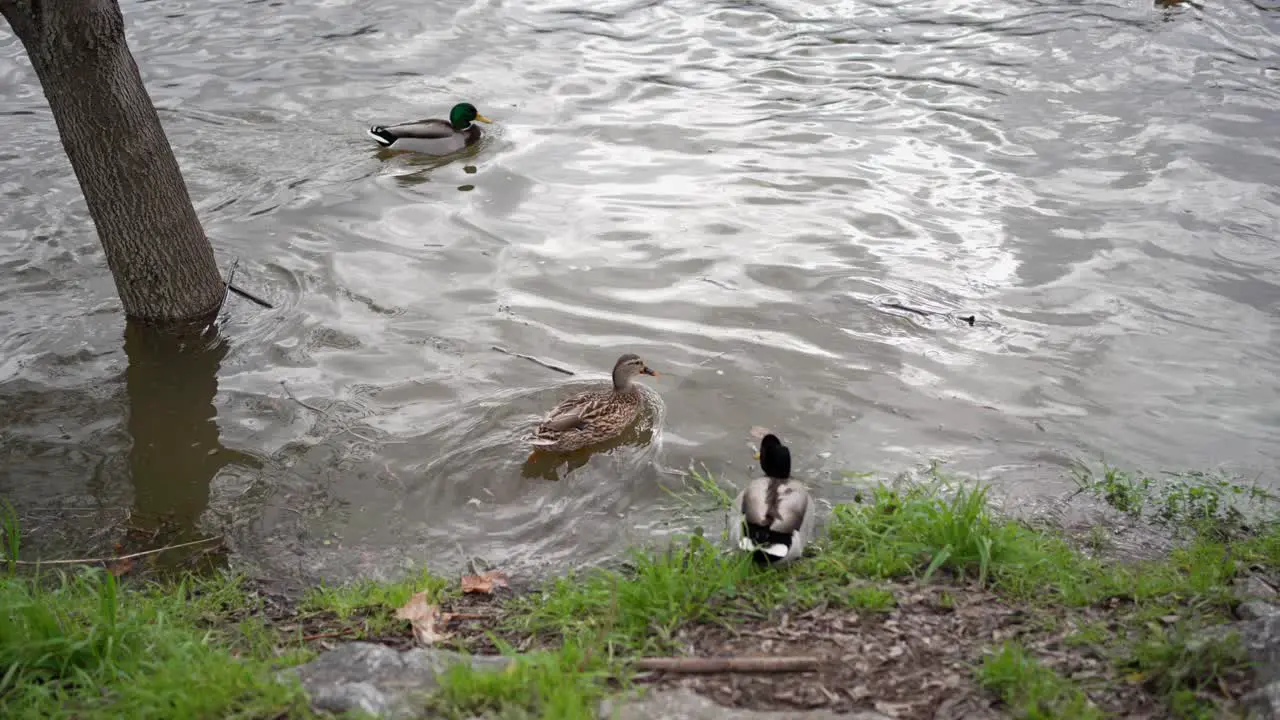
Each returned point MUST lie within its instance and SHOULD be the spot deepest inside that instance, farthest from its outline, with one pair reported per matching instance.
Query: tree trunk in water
(162, 262)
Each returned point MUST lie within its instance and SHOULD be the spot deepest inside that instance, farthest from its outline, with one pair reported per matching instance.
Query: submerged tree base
(919, 604)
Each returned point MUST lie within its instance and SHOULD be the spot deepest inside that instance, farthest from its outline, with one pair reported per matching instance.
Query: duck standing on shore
(593, 416)
(433, 137)
(773, 517)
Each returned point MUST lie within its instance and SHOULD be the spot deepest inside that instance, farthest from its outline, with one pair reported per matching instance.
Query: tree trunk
(159, 256)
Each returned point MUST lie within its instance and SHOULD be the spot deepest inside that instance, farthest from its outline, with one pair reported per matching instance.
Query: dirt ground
(914, 661)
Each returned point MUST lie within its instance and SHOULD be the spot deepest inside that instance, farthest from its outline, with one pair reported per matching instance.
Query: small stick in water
(130, 556)
(295, 398)
(900, 306)
(534, 360)
(250, 296)
(970, 319)
(231, 278)
(230, 285)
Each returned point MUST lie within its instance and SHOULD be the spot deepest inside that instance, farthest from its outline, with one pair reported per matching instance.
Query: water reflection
(750, 191)
(171, 383)
(546, 465)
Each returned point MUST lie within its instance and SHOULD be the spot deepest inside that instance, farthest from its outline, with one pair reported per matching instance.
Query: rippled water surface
(787, 208)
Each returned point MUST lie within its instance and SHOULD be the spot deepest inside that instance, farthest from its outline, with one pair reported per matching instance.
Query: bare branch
(707, 665)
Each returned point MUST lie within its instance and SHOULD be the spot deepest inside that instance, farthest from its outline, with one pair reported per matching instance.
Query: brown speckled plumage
(593, 416)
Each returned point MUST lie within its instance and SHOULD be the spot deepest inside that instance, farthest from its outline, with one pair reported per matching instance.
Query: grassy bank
(908, 577)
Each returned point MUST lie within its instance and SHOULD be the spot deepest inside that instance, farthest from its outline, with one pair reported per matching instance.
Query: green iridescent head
(463, 114)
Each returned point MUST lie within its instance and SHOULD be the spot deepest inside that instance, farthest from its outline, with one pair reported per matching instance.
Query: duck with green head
(433, 137)
(773, 518)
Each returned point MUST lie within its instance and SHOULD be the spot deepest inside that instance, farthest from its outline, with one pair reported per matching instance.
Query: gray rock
(378, 680)
(1253, 587)
(1264, 703)
(1261, 638)
(688, 705)
(1256, 610)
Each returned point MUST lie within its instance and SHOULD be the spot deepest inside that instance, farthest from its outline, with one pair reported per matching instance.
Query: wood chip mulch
(915, 661)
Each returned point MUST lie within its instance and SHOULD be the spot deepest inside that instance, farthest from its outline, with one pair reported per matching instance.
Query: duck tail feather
(381, 135)
(765, 545)
(777, 550)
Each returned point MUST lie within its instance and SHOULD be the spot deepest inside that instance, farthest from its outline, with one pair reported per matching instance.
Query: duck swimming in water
(593, 416)
(773, 517)
(433, 137)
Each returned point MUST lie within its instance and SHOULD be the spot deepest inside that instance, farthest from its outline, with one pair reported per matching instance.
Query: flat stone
(1262, 639)
(1264, 702)
(688, 705)
(379, 680)
(1253, 587)
(1260, 636)
(1256, 610)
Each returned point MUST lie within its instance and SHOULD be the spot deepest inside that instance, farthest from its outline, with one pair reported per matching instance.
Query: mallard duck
(595, 415)
(773, 517)
(433, 137)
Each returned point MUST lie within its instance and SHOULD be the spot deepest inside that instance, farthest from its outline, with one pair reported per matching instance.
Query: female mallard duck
(772, 517)
(595, 415)
(433, 137)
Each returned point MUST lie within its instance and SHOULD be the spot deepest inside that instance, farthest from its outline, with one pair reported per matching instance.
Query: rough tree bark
(162, 262)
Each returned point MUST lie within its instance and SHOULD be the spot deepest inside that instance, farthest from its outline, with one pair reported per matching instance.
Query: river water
(787, 208)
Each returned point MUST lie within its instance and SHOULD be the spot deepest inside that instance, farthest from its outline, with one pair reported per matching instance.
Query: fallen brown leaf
(423, 616)
(120, 567)
(484, 582)
(758, 432)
